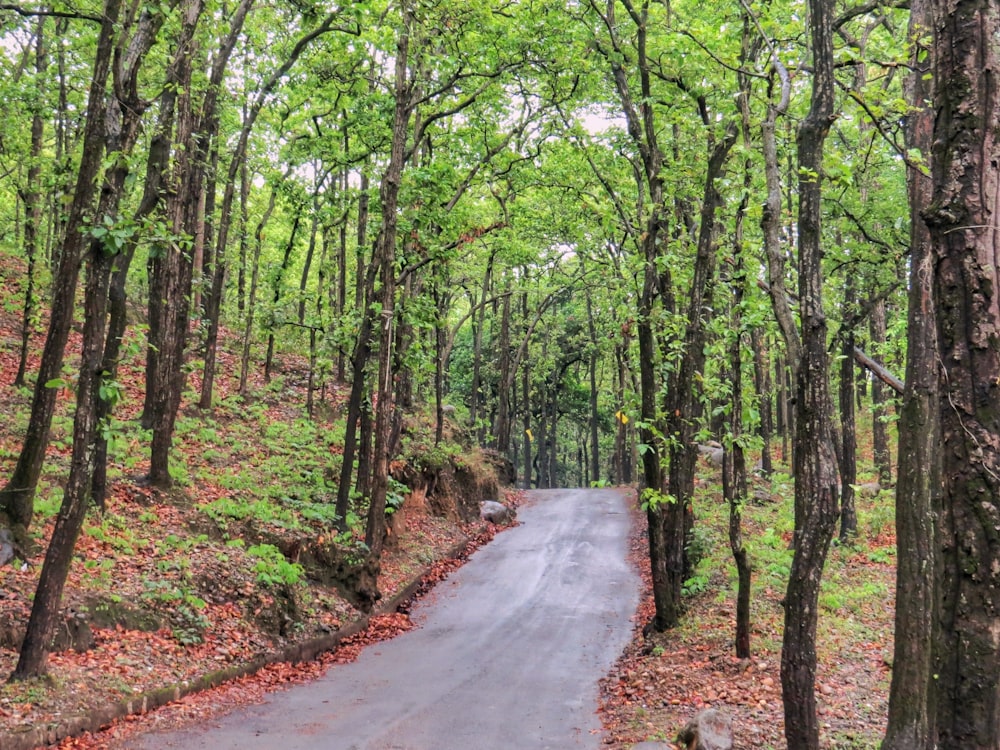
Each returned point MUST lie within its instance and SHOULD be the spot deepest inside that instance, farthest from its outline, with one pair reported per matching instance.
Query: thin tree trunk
(913, 689)
(880, 405)
(504, 394)
(285, 261)
(385, 260)
(816, 480)
(359, 362)
(32, 205)
(848, 426)
(762, 384)
(252, 296)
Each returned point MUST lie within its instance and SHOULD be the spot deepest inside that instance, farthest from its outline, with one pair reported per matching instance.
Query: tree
(966, 251)
(912, 714)
(815, 463)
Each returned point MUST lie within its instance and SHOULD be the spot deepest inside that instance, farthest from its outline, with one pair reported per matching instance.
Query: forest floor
(663, 680)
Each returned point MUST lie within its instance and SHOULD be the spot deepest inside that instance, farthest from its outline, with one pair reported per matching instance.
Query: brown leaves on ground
(662, 680)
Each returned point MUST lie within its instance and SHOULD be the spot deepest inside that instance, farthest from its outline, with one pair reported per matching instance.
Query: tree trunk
(848, 426)
(964, 241)
(215, 270)
(359, 361)
(32, 204)
(244, 389)
(762, 384)
(276, 297)
(502, 431)
(157, 159)
(815, 463)
(310, 251)
(880, 405)
(385, 260)
(173, 270)
(526, 406)
(913, 690)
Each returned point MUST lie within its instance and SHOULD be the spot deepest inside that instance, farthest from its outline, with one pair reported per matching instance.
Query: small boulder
(7, 552)
(708, 730)
(712, 452)
(495, 512)
(868, 489)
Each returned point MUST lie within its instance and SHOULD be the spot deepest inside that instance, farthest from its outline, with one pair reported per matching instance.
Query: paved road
(507, 654)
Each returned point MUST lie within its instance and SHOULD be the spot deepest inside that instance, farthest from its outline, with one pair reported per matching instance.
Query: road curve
(507, 653)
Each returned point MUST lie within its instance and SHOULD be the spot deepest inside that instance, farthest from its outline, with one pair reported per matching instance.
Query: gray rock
(708, 730)
(868, 489)
(495, 512)
(712, 452)
(6, 546)
(650, 745)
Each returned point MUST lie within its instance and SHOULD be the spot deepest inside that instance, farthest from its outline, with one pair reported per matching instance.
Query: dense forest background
(599, 236)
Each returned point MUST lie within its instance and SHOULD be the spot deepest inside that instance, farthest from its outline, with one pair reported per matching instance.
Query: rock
(708, 730)
(495, 512)
(868, 489)
(6, 546)
(712, 452)
(650, 745)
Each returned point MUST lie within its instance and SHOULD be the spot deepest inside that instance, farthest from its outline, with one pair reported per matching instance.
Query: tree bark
(966, 249)
(31, 197)
(385, 260)
(848, 426)
(815, 463)
(913, 691)
(880, 404)
(276, 297)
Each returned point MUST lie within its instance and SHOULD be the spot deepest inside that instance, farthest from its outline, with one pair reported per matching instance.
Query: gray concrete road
(506, 656)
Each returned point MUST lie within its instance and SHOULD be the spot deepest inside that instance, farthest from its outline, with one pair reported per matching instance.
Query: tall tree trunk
(965, 244)
(913, 690)
(31, 197)
(310, 251)
(815, 464)
(276, 297)
(258, 234)
(214, 270)
(595, 453)
(173, 268)
(503, 392)
(359, 362)
(683, 405)
(526, 405)
(385, 260)
(848, 425)
(880, 404)
(157, 160)
(762, 384)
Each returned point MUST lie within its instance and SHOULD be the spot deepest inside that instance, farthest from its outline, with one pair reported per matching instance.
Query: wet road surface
(506, 655)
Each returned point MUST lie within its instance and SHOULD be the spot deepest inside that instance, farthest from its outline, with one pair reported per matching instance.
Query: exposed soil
(664, 679)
